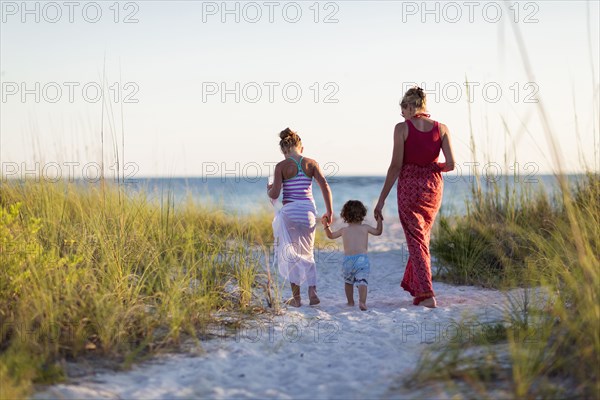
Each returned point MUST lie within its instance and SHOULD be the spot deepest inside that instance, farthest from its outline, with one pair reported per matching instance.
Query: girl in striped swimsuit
(294, 224)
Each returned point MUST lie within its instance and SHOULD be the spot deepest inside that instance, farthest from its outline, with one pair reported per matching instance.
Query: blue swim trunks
(356, 269)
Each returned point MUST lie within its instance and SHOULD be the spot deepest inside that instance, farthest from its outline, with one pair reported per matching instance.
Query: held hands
(327, 218)
(378, 212)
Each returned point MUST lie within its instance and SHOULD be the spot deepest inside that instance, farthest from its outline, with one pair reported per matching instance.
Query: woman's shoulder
(443, 129)
(401, 126)
(401, 129)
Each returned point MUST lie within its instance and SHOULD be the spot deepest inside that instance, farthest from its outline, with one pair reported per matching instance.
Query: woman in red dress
(417, 145)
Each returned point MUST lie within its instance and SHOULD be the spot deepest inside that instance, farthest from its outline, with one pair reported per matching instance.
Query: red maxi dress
(420, 188)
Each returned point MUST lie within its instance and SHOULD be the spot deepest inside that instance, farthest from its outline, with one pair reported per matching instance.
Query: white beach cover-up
(294, 228)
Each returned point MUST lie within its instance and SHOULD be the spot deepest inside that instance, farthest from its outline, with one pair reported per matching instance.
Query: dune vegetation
(91, 271)
(547, 245)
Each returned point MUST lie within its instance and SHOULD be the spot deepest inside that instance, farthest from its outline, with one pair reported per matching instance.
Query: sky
(194, 88)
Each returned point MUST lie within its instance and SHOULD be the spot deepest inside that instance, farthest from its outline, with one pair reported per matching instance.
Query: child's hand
(379, 210)
(325, 220)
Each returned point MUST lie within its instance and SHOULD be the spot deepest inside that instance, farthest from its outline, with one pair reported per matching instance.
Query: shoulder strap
(300, 169)
(298, 164)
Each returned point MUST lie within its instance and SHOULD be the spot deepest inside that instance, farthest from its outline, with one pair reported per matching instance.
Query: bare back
(356, 238)
(422, 124)
(289, 168)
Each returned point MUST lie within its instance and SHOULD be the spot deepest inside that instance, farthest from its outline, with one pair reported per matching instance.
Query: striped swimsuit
(294, 230)
(299, 187)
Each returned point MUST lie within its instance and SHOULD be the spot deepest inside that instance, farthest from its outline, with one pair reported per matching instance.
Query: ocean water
(244, 196)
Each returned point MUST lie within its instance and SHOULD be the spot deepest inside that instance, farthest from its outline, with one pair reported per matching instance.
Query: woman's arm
(322, 182)
(275, 189)
(394, 168)
(446, 149)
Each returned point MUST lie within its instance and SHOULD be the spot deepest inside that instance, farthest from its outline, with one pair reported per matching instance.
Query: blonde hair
(415, 97)
(289, 140)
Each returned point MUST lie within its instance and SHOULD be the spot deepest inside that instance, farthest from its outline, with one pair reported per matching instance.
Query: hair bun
(287, 132)
(415, 97)
(289, 139)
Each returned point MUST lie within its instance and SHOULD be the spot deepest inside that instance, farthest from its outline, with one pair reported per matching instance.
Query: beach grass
(93, 270)
(547, 243)
(548, 246)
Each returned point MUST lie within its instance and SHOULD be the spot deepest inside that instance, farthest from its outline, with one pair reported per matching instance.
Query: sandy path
(329, 351)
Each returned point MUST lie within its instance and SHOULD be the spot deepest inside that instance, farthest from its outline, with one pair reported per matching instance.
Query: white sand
(328, 351)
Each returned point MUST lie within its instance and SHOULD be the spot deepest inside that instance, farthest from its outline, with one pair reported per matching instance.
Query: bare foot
(349, 289)
(429, 303)
(312, 296)
(362, 297)
(293, 302)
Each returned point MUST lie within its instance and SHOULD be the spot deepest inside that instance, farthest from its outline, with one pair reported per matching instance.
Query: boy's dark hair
(353, 211)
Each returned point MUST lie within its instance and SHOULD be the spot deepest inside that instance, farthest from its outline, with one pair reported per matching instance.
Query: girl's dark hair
(289, 139)
(353, 211)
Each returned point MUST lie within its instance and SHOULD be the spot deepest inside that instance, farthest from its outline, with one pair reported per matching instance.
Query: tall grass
(490, 244)
(548, 241)
(515, 238)
(90, 270)
(552, 334)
